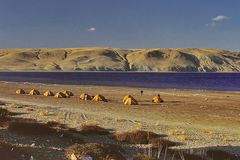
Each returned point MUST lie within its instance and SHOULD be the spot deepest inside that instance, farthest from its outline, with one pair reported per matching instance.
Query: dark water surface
(201, 81)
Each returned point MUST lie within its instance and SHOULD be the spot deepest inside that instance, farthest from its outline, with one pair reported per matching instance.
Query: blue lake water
(200, 81)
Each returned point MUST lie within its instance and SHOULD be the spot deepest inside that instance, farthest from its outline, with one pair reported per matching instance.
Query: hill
(115, 59)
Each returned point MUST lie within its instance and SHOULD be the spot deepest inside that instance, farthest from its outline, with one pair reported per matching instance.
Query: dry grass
(175, 131)
(96, 151)
(136, 137)
(4, 112)
(43, 113)
(93, 129)
(4, 115)
(162, 142)
(220, 155)
(30, 127)
(227, 139)
(207, 131)
(192, 157)
(9, 152)
(139, 126)
(54, 124)
(168, 154)
(183, 137)
(142, 157)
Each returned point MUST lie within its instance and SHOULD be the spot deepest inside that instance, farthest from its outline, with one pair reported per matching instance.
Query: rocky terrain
(115, 59)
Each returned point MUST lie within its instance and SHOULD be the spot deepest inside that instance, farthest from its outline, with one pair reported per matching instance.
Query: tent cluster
(96, 98)
(127, 100)
(65, 94)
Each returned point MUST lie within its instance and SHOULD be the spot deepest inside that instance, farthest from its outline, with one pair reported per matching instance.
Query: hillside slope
(115, 59)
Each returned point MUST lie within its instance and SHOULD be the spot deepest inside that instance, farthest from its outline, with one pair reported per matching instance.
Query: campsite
(176, 117)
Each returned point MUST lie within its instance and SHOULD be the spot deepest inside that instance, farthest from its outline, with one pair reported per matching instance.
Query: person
(141, 92)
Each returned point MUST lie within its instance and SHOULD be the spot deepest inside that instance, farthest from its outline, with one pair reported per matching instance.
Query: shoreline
(117, 86)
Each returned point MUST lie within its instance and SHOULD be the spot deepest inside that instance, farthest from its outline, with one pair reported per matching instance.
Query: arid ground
(207, 119)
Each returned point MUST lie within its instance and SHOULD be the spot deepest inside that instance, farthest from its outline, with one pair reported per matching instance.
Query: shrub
(4, 113)
(162, 142)
(93, 129)
(220, 155)
(96, 151)
(30, 127)
(136, 137)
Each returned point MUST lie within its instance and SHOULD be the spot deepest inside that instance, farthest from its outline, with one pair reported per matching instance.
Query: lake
(199, 81)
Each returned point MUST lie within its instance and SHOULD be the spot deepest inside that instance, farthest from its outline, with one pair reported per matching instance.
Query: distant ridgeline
(115, 59)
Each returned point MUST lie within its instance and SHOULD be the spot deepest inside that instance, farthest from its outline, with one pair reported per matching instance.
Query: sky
(120, 23)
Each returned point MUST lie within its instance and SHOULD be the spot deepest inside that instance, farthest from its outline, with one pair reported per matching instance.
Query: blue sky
(120, 23)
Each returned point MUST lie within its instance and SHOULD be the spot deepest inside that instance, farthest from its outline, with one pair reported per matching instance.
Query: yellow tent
(99, 97)
(126, 97)
(85, 97)
(20, 91)
(60, 95)
(68, 93)
(34, 92)
(157, 99)
(48, 93)
(129, 100)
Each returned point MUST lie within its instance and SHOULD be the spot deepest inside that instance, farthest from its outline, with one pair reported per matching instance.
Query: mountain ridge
(117, 59)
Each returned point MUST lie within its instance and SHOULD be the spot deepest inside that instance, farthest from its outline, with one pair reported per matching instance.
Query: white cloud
(216, 20)
(92, 29)
(219, 18)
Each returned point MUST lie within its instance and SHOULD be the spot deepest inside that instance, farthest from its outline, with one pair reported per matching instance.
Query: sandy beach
(210, 119)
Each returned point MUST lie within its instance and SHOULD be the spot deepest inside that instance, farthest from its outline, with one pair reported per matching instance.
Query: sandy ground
(207, 118)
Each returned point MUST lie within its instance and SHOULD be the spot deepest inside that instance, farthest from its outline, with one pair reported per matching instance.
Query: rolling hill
(116, 59)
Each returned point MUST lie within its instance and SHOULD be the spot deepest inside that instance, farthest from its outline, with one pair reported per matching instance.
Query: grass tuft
(93, 129)
(142, 157)
(4, 113)
(162, 142)
(183, 137)
(54, 124)
(95, 150)
(220, 155)
(136, 137)
(30, 127)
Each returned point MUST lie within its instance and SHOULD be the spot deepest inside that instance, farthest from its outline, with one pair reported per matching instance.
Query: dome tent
(48, 93)
(99, 97)
(157, 99)
(126, 97)
(68, 93)
(129, 100)
(34, 92)
(60, 95)
(20, 91)
(85, 97)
